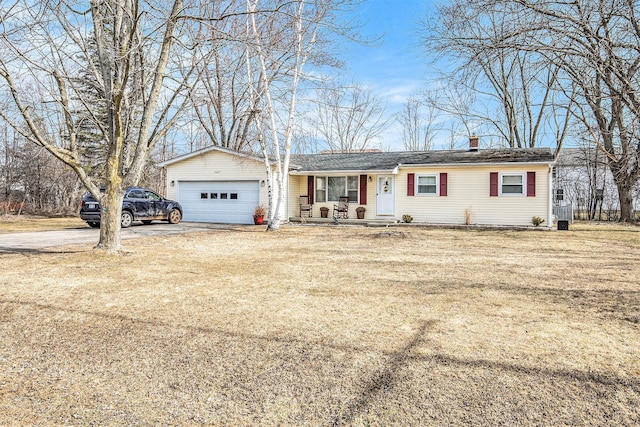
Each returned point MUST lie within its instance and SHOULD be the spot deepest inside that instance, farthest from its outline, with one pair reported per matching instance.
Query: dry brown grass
(24, 223)
(324, 325)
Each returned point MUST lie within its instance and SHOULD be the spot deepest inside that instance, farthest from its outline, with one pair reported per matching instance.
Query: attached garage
(218, 185)
(229, 202)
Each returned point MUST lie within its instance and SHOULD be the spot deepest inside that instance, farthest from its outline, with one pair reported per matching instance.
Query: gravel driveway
(34, 241)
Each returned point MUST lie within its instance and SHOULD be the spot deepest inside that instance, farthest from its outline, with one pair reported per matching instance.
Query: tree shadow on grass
(383, 380)
(33, 251)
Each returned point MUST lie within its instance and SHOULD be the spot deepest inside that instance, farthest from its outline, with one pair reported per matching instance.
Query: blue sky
(396, 67)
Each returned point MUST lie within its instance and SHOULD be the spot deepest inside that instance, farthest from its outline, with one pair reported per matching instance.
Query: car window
(137, 194)
(153, 196)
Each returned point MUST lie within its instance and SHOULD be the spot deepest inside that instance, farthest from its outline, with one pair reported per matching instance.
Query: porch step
(347, 221)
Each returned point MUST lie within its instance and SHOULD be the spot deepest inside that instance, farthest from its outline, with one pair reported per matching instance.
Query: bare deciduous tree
(596, 44)
(518, 92)
(419, 122)
(349, 119)
(127, 47)
(279, 45)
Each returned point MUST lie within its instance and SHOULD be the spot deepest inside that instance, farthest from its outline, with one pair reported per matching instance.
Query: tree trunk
(626, 202)
(111, 206)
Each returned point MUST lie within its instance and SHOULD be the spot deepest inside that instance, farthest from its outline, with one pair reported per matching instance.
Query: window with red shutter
(493, 184)
(443, 184)
(411, 182)
(363, 189)
(531, 184)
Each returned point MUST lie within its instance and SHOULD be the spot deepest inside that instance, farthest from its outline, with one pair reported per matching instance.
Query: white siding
(216, 166)
(468, 188)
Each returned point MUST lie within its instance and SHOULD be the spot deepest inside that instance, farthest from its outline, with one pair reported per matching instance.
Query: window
(153, 196)
(512, 184)
(214, 195)
(321, 189)
(352, 188)
(136, 194)
(427, 184)
(559, 195)
(331, 188)
(203, 195)
(336, 188)
(224, 196)
(234, 196)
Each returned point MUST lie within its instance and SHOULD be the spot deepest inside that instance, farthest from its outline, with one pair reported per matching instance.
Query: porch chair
(342, 208)
(305, 206)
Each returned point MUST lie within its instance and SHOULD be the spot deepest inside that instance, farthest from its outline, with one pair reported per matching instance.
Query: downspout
(550, 198)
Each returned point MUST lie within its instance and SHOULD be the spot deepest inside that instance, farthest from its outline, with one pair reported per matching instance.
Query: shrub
(536, 220)
(468, 213)
(407, 218)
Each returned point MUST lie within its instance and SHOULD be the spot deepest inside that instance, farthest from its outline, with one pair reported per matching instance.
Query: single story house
(490, 187)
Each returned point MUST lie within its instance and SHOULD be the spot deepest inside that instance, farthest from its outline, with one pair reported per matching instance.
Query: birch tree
(128, 47)
(279, 44)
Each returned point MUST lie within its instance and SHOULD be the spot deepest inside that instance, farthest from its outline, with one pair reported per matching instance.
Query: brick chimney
(473, 142)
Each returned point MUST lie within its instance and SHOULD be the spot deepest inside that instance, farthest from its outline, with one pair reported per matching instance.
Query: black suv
(139, 204)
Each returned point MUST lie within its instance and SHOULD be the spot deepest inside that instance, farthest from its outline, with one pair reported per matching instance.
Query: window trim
(427, 175)
(523, 191)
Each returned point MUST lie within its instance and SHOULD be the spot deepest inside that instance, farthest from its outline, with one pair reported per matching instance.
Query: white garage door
(229, 202)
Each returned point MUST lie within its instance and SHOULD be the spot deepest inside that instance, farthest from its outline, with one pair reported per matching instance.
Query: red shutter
(443, 184)
(411, 182)
(363, 189)
(531, 184)
(311, 188)
(493, 184)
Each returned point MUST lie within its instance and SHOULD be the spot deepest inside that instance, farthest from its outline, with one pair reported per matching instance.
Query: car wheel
(174, 216)
(94, 224)
(126, 219)
(146, 222)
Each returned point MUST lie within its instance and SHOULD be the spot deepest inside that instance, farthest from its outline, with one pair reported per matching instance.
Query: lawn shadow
(4, 250)
(382, 379)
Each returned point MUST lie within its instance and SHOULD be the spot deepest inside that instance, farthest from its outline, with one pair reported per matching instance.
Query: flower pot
(258, 219)
(360, 212)
(324, 212)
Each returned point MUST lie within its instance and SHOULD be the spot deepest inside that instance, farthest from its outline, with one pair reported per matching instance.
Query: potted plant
(258, 215)
(360, 212)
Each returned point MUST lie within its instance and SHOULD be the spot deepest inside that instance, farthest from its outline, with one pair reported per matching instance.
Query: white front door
(385, 195)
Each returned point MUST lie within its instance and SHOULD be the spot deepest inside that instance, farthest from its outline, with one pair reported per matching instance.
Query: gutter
(345, 171)
(461, 165)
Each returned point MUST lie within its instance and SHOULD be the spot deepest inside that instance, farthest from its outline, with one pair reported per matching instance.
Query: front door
(385, 195)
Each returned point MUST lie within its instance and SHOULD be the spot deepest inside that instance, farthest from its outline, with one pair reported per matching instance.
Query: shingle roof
(387, 161)
(580, 156)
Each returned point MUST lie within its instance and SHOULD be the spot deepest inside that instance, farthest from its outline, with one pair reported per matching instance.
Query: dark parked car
(139, 204)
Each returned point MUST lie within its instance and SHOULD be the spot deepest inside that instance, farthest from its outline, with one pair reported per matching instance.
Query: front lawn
(327, 325)
(27, 223)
